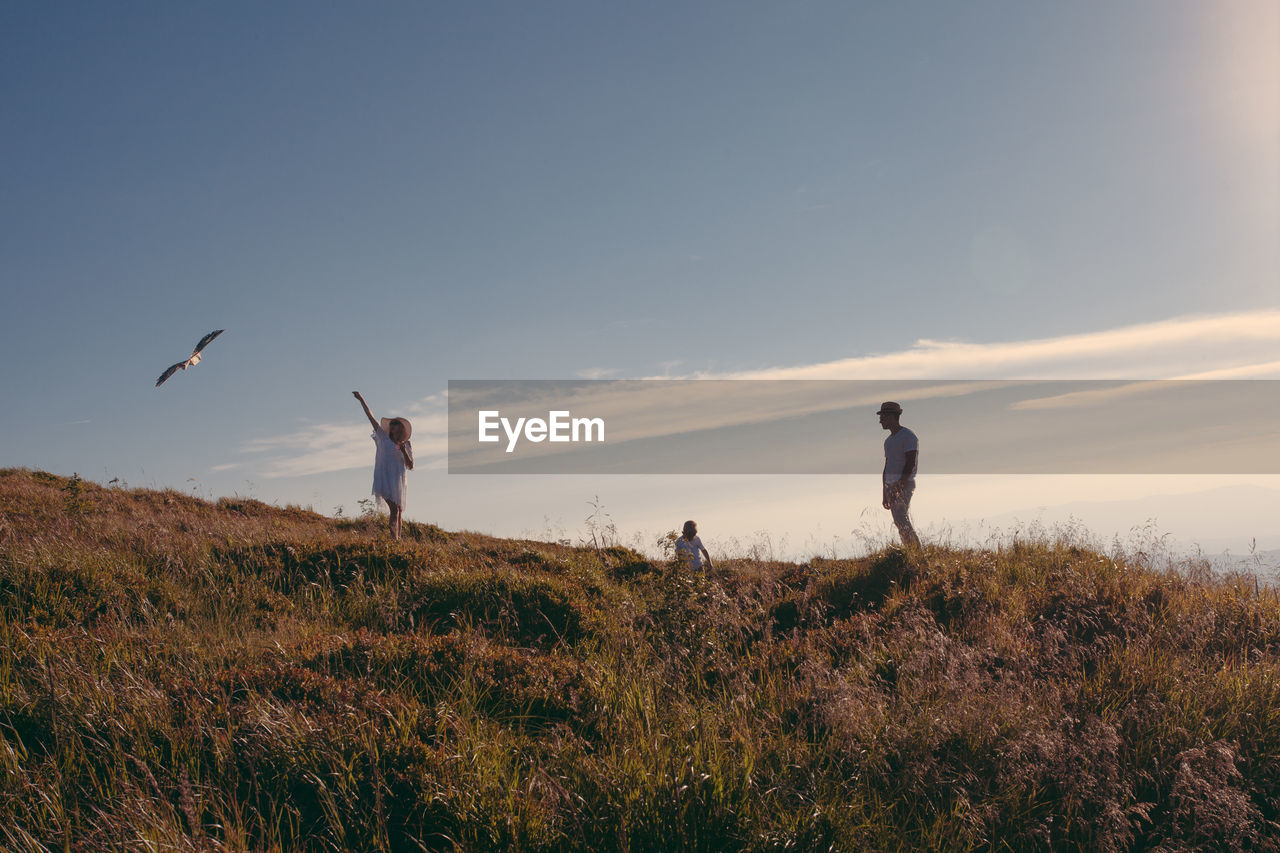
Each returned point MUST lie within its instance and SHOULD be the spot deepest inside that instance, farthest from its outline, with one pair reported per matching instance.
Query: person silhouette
(394, 456)
(689, 550)
(901, 455)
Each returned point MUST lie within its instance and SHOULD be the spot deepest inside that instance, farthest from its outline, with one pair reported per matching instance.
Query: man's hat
(889, 408)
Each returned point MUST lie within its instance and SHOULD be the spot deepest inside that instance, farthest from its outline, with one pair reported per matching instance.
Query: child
(689, 550)
(394, 457)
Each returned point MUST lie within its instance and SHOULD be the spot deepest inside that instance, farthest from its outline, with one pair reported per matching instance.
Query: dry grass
(177, 674)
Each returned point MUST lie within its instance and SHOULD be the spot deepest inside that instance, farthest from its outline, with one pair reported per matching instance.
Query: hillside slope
(185, 675)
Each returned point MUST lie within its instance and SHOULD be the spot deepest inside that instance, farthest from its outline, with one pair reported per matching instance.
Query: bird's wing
(205, 340)
(168, 373)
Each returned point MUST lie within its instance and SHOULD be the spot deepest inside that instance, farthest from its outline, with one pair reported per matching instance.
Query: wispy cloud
(597, 372)
(319, 448)
(428, 406)
(1223, 346)
(1238, 345)
(1266, 370)
(1105, 396)
(668, 367)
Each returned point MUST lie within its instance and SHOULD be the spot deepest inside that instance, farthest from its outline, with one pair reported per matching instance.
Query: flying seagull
(195, 357)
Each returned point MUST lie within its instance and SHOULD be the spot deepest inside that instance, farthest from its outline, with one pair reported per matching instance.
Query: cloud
(1266, 370)
(1222, 346)
(323, 448)
(1105, 396)
(1237, 345)
(668, 366)
(430, 406)
(597, 372)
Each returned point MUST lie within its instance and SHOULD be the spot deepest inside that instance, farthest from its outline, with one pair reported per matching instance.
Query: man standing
(901, 450)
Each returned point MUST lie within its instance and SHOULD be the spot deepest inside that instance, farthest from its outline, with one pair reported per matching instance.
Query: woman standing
(394, 457)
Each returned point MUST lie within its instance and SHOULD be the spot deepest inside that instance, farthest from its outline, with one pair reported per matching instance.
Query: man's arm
(909, 467)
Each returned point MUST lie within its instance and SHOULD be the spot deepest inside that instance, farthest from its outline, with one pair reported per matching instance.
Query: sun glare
(1243, 41)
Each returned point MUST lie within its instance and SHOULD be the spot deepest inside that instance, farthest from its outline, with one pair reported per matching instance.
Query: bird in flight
(193, 360)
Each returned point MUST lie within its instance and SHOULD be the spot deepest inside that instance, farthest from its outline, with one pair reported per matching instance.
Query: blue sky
(386, 197)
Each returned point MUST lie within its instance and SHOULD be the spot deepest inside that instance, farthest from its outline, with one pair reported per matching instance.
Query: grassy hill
(177, 674)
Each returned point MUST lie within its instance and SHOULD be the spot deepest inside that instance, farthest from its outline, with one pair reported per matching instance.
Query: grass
(178, 674)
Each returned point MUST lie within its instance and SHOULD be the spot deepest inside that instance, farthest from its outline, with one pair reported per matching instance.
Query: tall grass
(177, 674)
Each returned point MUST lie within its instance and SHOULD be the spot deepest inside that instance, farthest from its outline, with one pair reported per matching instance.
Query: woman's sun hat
(404, 423)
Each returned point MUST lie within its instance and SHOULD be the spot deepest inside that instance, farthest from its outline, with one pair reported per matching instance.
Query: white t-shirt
(689, 552)
(896, 448)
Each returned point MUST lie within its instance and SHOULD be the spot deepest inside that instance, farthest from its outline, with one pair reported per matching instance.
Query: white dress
(388, 470)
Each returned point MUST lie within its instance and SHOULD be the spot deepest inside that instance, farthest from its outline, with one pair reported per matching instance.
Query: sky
(388, 197)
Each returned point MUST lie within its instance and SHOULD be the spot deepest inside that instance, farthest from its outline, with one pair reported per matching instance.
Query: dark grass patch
(521, 687)
(287, 566)
(535, 691)
(81, 589)
(349, 777)
(625, 564)
(251, 508)
(528, 610)
(533, 560)
(417, 531)
(854, 586)
(421, 666)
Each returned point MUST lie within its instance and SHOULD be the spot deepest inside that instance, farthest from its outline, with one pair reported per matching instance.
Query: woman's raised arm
(367, 413)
